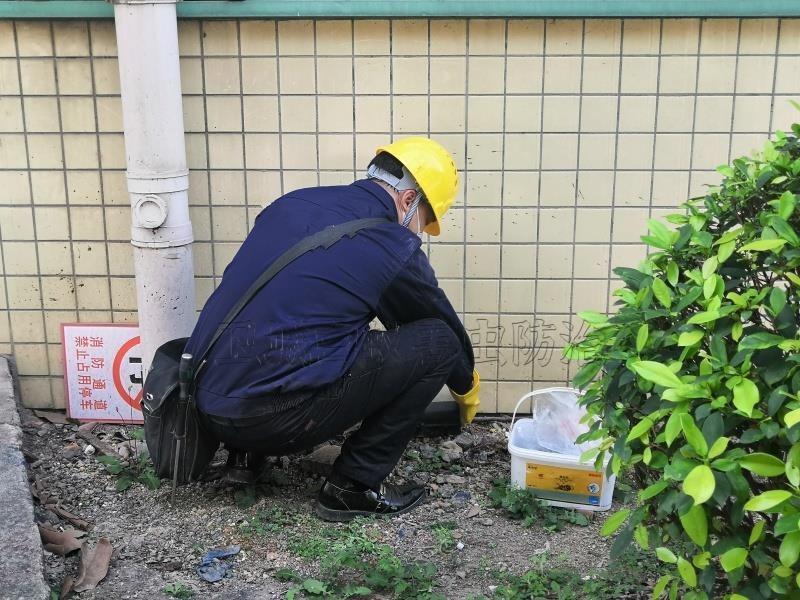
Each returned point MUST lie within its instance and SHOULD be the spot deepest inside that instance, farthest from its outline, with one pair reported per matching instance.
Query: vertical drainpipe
(158, 180)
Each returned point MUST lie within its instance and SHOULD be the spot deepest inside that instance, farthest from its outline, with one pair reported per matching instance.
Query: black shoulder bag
(180, 448)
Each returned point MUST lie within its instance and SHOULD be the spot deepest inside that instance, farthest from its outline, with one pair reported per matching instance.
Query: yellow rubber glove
(469, 402)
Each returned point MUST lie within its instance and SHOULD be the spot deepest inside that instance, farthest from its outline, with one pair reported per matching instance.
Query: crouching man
(300, 365)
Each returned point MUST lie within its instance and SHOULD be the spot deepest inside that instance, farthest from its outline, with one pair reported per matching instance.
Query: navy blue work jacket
(305, 327)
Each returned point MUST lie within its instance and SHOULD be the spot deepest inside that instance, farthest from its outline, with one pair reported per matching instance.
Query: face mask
(412, 210)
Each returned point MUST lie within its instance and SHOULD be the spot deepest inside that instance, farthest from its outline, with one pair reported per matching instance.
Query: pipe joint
(166, 236)
(158, 183)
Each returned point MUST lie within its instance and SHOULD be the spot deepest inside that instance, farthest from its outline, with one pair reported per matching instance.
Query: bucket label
(567, 485)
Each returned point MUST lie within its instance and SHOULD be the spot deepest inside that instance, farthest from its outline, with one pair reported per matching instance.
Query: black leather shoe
(336, 503)
(242, 467)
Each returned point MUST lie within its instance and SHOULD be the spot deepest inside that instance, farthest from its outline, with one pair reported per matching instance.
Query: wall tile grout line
(109, 286)
(614, 169)
(500, 358)
(465, 176)
(536, 253)
(575, 185)
(689, 193)
(316, 96)
(209, 191)
(735, 87)
(278, 90)
(655, 123)
(778, 35)
(245, 166)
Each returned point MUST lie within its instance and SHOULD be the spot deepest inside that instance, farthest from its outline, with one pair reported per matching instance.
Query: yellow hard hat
(434, 170)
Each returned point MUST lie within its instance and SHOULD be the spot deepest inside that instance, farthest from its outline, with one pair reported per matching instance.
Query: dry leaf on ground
(94, 565)
(61, 542)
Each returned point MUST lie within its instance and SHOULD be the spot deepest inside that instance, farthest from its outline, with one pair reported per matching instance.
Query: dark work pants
(394, 378)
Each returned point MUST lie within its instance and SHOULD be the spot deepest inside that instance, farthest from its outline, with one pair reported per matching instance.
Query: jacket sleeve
(415, 294)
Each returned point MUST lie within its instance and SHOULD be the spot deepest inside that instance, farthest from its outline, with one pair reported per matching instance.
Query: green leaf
(746, 396)
(699, 484)
(793, 278)
(614, 522)
(777, 300)
(759, 341)
(733, 559)
(710, 287)
(314, 586)
(672, 273)
(123, 483)
(783, 229)
(662, 293)
(763, 245)
(704, 317)
(586, 373)
(286, 575)
(653, 490)
(786, 204)
(659, 588)
(150, 480)
(640, 429)
(755, 534)
(787, 524)
(660, 231)
(641, 337)
(763, 464)
(793, 465)
(112, 464)
(687, 572)
(693, 435)
(656, 372)
(718, 447)
(767, 500)
(792, 418)
(725, 251)
(789, 551)
(709, 267)
(695, 524)
(593, 318)
(690, 338)
(641, 536)
(672, 428)
(666, 555)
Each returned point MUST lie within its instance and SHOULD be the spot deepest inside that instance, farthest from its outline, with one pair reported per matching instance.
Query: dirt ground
(159, 544)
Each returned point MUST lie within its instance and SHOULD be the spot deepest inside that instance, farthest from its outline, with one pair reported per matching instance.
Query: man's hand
(469, 402)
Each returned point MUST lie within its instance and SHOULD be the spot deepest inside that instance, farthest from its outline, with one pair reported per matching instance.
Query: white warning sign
(102, 372)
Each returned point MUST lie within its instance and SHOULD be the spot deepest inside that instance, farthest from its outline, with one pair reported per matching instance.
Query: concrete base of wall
(21, 561)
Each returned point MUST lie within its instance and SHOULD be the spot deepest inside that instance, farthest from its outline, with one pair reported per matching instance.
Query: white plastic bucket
(558, 479)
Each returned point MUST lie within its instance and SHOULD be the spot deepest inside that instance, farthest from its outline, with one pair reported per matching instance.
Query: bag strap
(322, 239)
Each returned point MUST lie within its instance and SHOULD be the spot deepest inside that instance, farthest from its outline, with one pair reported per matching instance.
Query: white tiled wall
(568, 134)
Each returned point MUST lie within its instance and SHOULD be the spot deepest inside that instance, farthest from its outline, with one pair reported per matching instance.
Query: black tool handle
(185, 382)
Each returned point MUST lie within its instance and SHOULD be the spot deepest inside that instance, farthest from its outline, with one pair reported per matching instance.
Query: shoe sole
(342, 516)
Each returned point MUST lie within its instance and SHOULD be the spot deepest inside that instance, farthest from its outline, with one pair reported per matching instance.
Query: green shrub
(694, 382)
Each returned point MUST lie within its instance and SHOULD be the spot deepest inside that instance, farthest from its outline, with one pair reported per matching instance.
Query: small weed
(443, 532)
(521, 504)
(130, 471)
(266, 522)
(179, 590)
(353, 563)
(627, 577)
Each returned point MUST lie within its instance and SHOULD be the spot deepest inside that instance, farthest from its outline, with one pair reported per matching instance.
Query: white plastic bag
(556, 423)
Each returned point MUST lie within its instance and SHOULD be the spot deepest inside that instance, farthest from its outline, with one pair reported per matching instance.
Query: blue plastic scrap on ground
(211, 568)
